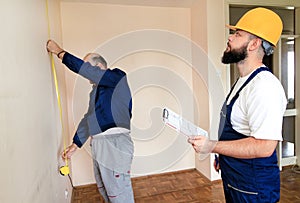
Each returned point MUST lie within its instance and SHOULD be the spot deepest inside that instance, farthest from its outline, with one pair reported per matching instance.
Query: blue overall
(246, 180)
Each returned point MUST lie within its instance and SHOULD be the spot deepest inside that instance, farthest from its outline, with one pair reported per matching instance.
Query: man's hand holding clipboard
(197, 136)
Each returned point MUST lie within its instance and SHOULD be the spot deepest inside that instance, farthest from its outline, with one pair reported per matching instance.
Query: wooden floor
(184, 187)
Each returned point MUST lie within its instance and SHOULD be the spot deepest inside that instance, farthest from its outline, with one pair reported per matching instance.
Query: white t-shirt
(259, 109)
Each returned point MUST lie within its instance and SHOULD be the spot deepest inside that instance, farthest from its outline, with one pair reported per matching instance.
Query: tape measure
(64, 170)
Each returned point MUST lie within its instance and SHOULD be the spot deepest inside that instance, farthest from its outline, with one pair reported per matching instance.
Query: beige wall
(30, 132)
(208, 31)
(152, 44)
(200, 73)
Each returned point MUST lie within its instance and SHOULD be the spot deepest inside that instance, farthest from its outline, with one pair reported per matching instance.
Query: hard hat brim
(232, 27)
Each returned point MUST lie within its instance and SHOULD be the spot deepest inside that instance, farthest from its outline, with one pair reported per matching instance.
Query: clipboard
(182, 125)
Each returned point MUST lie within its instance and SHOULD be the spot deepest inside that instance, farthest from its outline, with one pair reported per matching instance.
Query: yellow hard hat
(261, 22)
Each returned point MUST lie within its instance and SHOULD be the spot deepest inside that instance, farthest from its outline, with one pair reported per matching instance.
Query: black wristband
(60, 53)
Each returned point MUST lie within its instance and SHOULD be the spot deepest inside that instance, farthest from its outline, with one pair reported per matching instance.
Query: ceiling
(156, 3)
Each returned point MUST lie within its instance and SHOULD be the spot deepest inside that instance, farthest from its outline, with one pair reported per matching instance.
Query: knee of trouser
(126, 196)
(118, 184)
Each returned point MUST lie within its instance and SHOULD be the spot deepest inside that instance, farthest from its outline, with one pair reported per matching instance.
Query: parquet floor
(188, 186)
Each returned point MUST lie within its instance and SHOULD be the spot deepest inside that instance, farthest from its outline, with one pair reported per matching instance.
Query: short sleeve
(265, 106)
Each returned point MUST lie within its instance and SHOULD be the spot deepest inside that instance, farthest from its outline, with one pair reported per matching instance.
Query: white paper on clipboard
(182, 125)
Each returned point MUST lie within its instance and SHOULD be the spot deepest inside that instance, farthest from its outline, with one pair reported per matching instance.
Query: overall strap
(245, 83)
(231, 91)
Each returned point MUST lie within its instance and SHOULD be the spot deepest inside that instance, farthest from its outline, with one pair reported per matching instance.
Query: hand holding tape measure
(66, 155)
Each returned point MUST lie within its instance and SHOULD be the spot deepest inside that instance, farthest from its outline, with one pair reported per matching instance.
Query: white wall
(157, 63)
(30, 137)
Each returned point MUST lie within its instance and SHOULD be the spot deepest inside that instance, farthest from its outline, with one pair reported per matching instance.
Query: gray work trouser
(112, 158)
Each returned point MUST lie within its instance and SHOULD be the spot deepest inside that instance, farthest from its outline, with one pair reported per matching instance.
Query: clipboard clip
(165, 114)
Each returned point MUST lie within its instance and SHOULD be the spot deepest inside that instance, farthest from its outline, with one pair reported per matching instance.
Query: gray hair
(95, 59)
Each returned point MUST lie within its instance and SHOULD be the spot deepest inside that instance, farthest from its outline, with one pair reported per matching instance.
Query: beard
(235, 55)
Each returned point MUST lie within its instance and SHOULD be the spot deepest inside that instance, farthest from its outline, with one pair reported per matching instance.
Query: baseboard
(287, 161)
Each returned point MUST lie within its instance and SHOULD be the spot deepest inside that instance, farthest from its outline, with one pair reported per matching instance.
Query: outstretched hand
(53, 47)
(66, 154)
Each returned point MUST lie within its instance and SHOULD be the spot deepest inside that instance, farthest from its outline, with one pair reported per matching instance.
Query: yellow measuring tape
(65, 169)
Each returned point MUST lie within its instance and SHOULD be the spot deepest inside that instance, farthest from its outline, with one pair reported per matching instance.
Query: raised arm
(95, 74)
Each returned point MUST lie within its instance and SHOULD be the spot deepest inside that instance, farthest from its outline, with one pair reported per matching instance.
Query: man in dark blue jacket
(107, 121)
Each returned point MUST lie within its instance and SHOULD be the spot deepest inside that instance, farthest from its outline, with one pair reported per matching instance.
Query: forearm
(82, 132)
(72, 62)
(246, 148)
(61, 54)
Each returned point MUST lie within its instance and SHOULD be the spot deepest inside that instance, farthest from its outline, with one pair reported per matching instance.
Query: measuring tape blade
(58, 97)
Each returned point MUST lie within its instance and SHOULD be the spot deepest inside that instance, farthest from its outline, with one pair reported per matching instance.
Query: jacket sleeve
(108, 78)
(82, 133)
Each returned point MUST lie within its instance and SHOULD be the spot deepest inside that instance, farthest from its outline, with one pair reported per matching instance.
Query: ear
(101, 66)
(254, 44)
